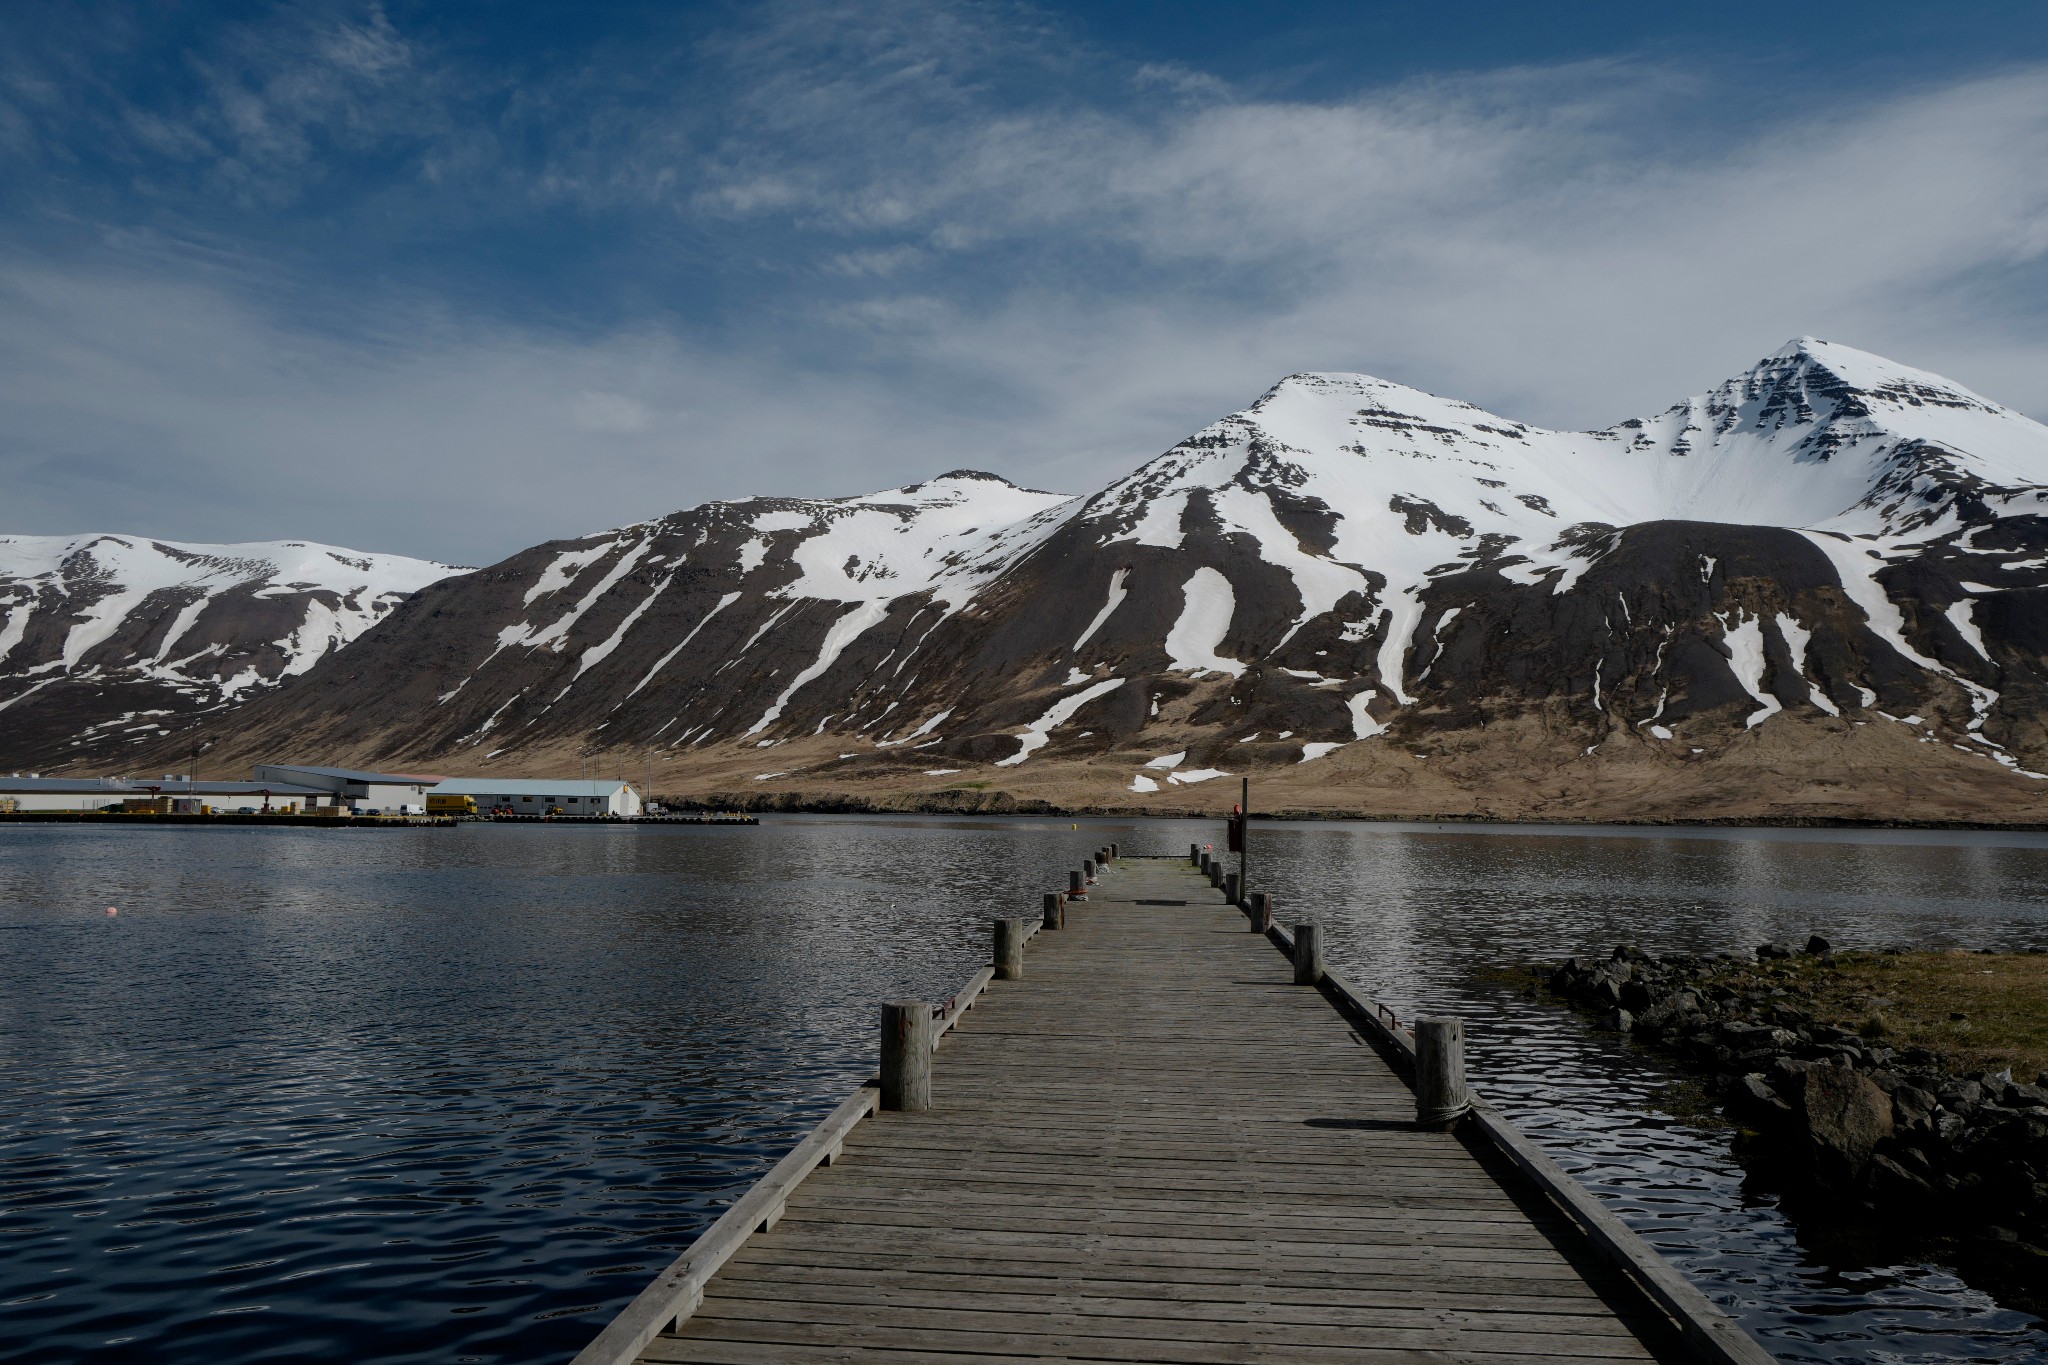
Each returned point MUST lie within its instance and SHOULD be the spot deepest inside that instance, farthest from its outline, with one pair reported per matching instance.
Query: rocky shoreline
(954, 801)
(1849, 1127)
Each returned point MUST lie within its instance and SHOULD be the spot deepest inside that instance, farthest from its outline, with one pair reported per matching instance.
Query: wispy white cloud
(862, 244)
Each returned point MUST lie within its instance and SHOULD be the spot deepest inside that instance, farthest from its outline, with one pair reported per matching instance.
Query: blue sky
(451, 279)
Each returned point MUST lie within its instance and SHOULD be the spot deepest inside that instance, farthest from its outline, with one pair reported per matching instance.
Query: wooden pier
(1154, 1146)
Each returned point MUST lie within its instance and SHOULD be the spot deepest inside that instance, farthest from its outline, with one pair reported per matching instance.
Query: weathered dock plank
(1152, 1146)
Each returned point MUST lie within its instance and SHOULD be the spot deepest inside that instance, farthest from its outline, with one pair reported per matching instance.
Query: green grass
(1981, 1011)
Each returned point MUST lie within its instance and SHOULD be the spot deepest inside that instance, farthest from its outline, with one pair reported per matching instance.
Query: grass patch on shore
(1981, 1011)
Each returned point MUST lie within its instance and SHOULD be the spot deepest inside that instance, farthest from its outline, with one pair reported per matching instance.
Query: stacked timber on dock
(1153, 1139)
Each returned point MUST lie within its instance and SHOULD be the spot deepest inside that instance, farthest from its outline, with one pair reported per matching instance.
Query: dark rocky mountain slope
(1817, 590)
(110, 642)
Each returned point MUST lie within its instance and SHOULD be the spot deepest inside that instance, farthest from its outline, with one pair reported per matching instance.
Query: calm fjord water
(457, 1094)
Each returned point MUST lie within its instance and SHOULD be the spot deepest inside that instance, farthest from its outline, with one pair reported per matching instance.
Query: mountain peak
(1863, 373)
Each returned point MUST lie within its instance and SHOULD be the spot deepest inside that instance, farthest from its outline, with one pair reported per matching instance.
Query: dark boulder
(1912, 1109)
(1755, 1102)
(1891, 1181)
(1845, 1116)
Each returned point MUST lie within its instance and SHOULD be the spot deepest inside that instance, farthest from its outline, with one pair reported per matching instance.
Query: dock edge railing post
(1230, 887)
(1087, 871)
(1441, 1096)
(1261, 912)
(1077, 884)
(907, 1056)
(1308, 955)
(1194, 855)
(1055, 911)
(1009, 954)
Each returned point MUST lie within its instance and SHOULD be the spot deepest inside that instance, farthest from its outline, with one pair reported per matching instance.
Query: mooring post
(1076, 884)
(1308, 955)
(1087, 869)
(1244, 838)
(1216, 874)
(1202, 861)
(1262, 912)
(1115, 849)
(1230, 887)
(1055, 911)
(1441, 1097)
(907, 1055)
(1194, 855)
(1009, 958)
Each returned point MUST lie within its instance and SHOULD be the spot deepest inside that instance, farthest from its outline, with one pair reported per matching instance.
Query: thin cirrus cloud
(350, 283)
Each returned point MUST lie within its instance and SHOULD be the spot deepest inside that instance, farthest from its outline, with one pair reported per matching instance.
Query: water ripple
(367, 1096)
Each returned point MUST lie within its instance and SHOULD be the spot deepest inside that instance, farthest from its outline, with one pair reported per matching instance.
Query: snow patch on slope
(1037, 733)
(1745, 641)
(1207, 606)
(844, 632)
(1117, 594)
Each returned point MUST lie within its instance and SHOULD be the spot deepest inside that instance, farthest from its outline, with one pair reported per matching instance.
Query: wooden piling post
(1055, 911)
(1216, 873)
(1230, 887)
(1262, 912)
(1441, 1097)
(1194, 855)
(907, 1055)
(1009, 957)
(1087, 869)
(1077, 885)
(1115, 849)
(1308, 955)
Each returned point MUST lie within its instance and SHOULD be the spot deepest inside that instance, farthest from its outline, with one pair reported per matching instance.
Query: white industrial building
(102, 793)
(544, 796)
(353, 787)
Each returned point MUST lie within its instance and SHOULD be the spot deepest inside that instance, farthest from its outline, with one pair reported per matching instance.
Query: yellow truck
(459, 806)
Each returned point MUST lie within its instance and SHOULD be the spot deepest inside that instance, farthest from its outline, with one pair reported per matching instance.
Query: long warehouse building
(545, 796)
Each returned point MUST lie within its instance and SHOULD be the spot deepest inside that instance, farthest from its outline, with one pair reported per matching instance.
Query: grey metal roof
(527, 786)
(25, 785)
(108, 786)
(354, 774)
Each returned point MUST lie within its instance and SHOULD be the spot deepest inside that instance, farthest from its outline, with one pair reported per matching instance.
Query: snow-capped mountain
(115, 638)
(1829, 540)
